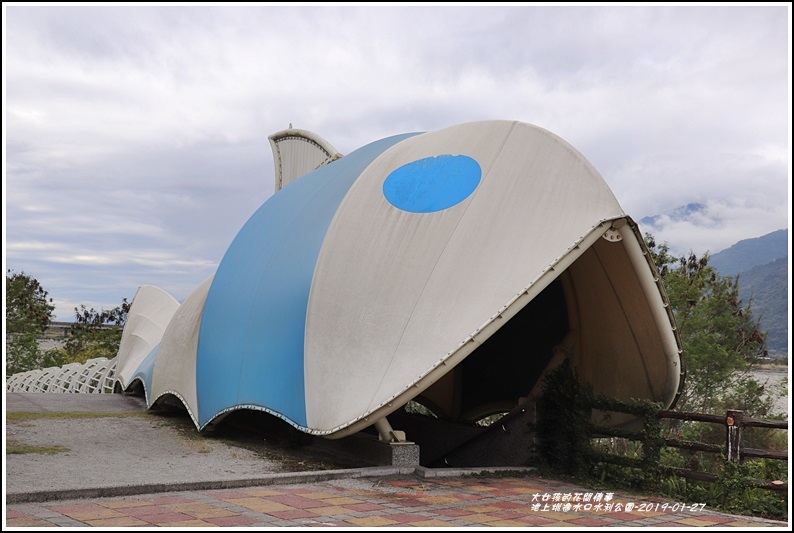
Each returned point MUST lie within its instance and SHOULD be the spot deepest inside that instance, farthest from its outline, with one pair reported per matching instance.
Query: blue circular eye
(432, 184)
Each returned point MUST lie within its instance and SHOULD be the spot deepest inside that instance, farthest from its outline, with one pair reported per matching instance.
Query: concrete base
(365, 448)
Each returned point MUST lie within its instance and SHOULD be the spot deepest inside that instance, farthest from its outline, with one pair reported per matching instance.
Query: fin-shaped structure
(297, 152)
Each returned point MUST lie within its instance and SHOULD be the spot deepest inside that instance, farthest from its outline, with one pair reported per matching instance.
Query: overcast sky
(136, 136)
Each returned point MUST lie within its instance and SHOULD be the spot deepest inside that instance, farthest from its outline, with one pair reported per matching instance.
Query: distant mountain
(679, 213)
(765, 287)
(762, 267)
(750, 253)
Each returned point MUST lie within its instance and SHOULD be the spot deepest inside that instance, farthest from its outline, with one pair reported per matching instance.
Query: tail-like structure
(298, 152)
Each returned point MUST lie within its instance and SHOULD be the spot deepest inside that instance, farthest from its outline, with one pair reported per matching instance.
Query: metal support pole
(386, 433)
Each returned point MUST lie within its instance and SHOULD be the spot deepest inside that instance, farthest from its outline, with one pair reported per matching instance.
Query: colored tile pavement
(391, 502)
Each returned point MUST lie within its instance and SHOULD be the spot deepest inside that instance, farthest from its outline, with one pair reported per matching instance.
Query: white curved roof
(409, 267)
(396, 293)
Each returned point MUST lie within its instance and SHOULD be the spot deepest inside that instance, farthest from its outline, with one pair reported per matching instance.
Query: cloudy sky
(136, 136)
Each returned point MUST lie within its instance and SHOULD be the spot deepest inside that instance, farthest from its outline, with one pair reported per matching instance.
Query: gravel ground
(128, 446)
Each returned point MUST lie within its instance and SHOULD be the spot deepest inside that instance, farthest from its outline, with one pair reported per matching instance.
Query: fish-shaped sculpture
(451, 267)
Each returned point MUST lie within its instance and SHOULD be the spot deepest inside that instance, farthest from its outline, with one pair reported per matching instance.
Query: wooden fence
(734, 422)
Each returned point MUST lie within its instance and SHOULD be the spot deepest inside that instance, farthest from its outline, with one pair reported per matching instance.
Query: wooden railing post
(734, 421)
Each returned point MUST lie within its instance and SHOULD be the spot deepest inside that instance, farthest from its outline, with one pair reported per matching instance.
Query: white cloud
(136, 136)
(716, 226)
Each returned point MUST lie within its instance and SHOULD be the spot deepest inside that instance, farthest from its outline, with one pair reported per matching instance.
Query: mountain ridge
(749, 253)
(761, 265)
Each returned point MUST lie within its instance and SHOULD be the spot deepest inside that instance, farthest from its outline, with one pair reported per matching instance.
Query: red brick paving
(371, 503)
(589, 522)
(291, 515)
(231, 521)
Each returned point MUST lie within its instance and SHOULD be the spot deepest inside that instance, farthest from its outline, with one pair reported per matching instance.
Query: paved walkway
(393, 501)
(141, 471)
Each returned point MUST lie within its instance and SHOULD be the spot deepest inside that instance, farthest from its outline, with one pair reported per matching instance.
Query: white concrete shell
(175, 372)
(149, 315)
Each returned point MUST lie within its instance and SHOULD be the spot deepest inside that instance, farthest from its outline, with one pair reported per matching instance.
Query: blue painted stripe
(250, 347)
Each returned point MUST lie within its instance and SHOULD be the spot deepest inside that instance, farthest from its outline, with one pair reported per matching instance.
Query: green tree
(28, 313)
(721, 341)
(28, 308)
(95, 333)
(721, 338)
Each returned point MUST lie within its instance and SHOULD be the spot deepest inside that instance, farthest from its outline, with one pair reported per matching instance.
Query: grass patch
(506, 473)
(13, 446)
